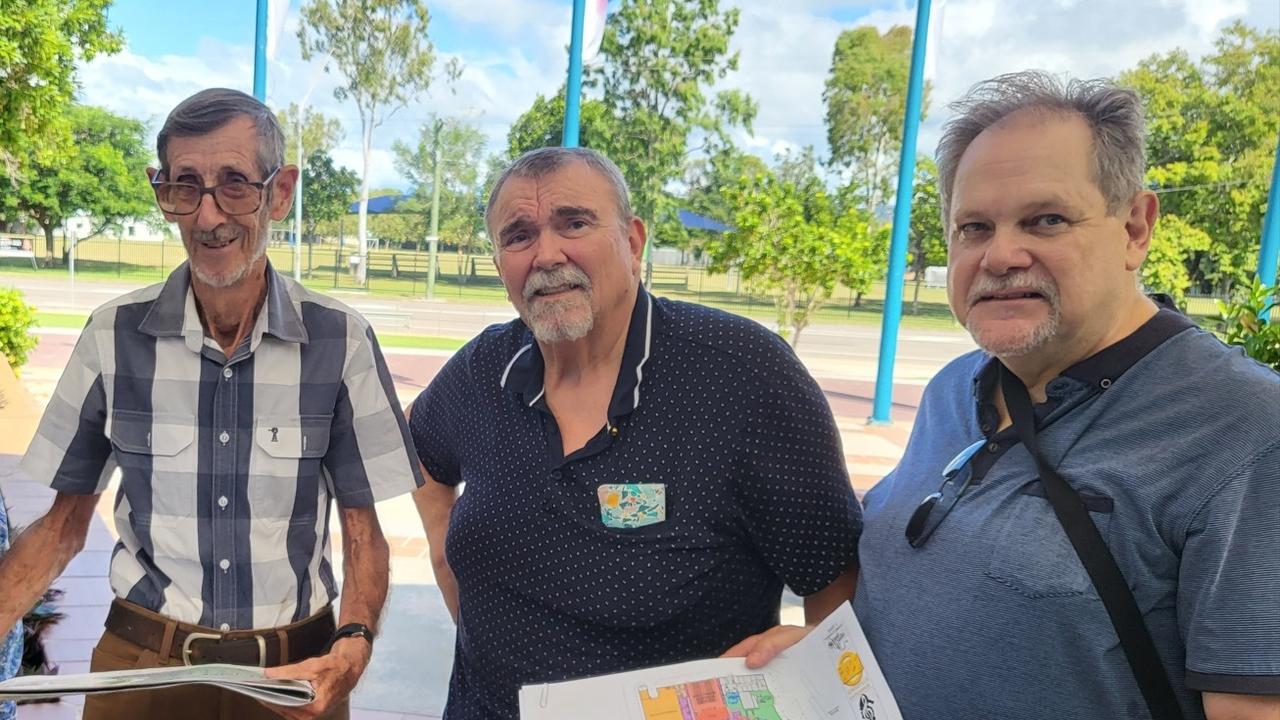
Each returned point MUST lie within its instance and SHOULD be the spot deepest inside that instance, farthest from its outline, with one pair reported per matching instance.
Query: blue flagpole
(880, 413)
(573, 90)
(1269, 253)
(260, 54)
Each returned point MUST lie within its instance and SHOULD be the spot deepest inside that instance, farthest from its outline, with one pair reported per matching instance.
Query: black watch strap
(351, 630)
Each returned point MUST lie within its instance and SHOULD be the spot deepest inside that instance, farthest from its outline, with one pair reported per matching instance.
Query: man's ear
(283, 185)
(636, 236)
(1144, 209)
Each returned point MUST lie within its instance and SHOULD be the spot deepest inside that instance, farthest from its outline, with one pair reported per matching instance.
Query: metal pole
(433, 240)
(573, 91)
(901, 223)
(1269, 253)
(260, 54)
(297, 205)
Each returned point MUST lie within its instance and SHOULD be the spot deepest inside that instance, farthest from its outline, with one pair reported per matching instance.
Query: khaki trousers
(192, 702)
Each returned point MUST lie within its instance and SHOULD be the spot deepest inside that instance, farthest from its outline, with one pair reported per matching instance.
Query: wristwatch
(351, 630)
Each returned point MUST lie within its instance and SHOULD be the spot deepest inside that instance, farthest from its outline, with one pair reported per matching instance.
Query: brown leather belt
(198, 645)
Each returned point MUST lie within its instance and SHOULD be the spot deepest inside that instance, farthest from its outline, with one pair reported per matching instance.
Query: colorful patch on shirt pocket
(632, 505)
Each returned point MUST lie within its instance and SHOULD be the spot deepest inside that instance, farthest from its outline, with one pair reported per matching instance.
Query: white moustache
(562, 276)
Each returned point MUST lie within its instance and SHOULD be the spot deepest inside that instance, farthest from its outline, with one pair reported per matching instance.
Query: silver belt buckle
(186, 647)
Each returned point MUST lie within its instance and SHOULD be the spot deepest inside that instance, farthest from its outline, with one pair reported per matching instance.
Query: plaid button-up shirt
(227, 465)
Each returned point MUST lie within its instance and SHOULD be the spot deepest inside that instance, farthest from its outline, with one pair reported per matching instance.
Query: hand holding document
(249, 681)
(829, 675)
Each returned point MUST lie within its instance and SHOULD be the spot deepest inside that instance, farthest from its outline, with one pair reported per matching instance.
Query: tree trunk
(857, 300)
(915, 300)
(48, 244)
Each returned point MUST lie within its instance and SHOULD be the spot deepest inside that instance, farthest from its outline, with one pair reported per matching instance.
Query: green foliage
(1173, 243)
(326, 191)
(705, 178)
(791, 241)
(103, 174)
(319, 132)
(16, 319)
(661, 57)
(542, 125)
(927, 236)
(866, 98)
(1239, 322)
(381, 48)
(41, 44)
(1211, 134)
(462, 161)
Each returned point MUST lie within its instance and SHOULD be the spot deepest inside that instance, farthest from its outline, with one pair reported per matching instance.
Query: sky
(514, 50)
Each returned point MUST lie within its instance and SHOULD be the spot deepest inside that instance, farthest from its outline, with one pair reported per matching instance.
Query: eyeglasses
(238, 197)
(927, 516)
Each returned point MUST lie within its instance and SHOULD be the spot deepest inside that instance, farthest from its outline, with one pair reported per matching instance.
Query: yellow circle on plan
(850, 669)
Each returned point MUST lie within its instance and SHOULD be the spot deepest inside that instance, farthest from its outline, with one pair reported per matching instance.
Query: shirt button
(226, 373)
(224, 564)
(556, 474)
(224, 438)
(224, 627)
(222, 501)
(993, 447)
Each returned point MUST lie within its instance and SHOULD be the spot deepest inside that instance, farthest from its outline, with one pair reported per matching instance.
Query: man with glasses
(236, 406)
(1089, 402)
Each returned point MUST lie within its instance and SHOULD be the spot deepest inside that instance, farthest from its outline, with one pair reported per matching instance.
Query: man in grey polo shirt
(1171, 438)
(237, 406)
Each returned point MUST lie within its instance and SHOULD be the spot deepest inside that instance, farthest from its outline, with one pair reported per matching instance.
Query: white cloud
(785, 57)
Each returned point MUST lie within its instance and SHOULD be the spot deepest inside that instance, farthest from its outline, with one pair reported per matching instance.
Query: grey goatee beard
(555, 320)
(1039, 335)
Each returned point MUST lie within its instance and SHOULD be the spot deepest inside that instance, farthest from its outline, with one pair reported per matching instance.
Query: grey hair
(208, 110)
(544, 161)
(1113, 113)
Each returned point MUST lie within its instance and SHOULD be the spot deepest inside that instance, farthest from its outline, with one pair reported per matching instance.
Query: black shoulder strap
(1135, 638)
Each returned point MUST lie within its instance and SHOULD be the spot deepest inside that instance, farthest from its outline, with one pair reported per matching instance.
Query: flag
(593, 28)
(277, 12)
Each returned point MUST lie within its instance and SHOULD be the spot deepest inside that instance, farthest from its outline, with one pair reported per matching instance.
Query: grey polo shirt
(1174, 441)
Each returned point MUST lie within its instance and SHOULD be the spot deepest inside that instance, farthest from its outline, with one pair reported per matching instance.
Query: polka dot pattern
(757, 497)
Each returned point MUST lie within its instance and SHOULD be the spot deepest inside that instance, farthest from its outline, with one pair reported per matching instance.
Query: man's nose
(208, 215)
(549, 249)
(1005, 251)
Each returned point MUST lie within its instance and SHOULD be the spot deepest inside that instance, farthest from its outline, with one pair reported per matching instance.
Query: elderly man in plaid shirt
(236, 405)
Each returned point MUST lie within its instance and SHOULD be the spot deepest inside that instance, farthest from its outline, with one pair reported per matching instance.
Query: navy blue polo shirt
(1171, 439)
(713, 406)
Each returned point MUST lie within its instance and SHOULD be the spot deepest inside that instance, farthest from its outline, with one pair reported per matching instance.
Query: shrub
(16, 319)
(1240, 322)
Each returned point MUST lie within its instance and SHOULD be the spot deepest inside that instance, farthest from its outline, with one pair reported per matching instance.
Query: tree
(704, 179)
(41, 44)
(542, 125)
(866, 99)
(1211, 134)
(928, 235)
(326, 192)
(660, 59)
(104, 175)
(386, 63)
(789, 241)
(1173, 243)
(462, 161)
(319, 132)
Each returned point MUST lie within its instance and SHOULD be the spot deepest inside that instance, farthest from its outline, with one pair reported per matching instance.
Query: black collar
(523, 376)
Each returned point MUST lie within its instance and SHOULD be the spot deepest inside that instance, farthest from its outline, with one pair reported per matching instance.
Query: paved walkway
(409, 674)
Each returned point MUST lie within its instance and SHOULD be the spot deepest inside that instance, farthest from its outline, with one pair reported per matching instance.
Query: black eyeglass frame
(919, 529)
(259, 185)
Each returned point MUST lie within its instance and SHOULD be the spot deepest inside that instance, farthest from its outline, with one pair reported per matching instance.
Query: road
(847, 351)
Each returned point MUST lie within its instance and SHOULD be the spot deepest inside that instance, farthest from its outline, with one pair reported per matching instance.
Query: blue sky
(513, 50)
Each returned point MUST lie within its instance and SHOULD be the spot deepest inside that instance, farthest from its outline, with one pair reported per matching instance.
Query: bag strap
(1073, 515)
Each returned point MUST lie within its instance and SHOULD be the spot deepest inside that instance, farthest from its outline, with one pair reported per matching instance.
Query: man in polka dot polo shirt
(642, 476)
